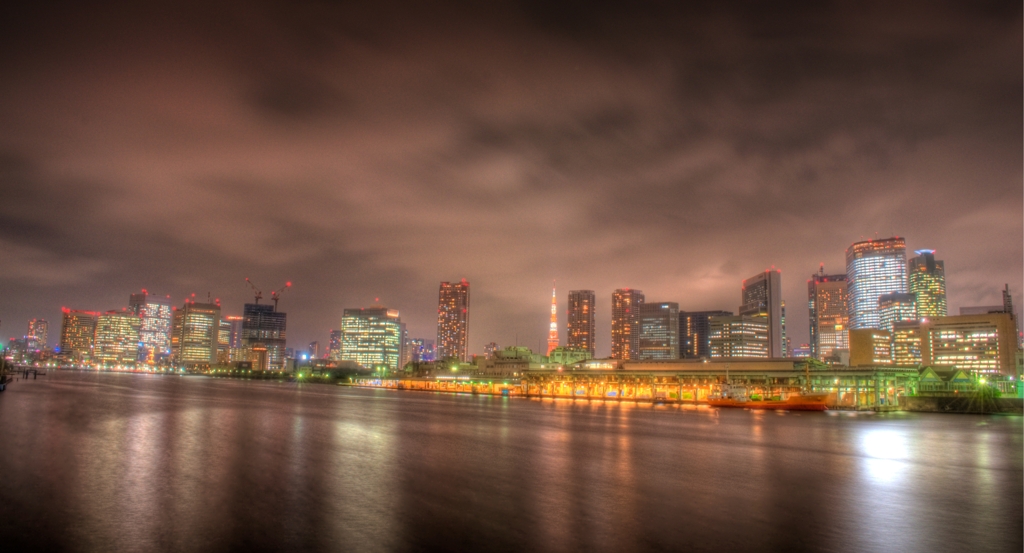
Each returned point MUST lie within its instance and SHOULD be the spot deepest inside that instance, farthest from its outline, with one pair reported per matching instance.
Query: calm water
(104, 462)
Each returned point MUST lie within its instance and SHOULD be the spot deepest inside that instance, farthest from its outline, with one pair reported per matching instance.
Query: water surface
(120, 462)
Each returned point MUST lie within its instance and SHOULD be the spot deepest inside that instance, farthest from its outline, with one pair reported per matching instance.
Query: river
(124, 462)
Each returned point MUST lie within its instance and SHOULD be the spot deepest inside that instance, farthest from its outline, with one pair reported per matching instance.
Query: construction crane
(276, 294)
(259, 293)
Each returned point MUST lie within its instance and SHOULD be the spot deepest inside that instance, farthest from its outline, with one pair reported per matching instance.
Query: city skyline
(676, 151)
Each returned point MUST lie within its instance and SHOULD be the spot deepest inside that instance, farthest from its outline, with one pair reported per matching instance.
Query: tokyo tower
(553, 332)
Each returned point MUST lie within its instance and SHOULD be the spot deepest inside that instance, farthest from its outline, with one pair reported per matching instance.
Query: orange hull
(809, 402)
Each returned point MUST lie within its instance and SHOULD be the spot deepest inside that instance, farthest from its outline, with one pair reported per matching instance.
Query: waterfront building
(236, 352)
(738, 336)
(787, 348)
(371, 337)
(334, 346)
(870, 346)
(264, 336)
(453, 321)
(38, 334)
(422, 350)
(693, 332)
(761, 296)
(405, 353)
(195, 333)
(553, 326)
(626, 323)
(907, 342)
(659, 330)
(155, 333)
(580, 325)
(568, 355)
(224, 332)
(77, 332)
(980, 343)
(896, 308)
(926, 279)
(874, 268)
(828, 309)
(117, 338)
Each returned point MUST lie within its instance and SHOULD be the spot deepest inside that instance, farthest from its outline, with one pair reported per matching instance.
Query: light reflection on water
(133, 463)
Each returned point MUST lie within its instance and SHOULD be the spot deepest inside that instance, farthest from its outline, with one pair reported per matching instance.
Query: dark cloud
(371, 151)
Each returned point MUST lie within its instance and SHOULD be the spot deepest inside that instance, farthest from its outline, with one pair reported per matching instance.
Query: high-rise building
(761, 296)
(659, 330)
(117, 338)
(235, 351)
(828, 309)
(38, 334)
(224, 335)
(874, 268)
(453, 321)
(371, 337)
(553, 327)
(77, 333)
(313, 349)
(580, 325)
(786, 348)
(334, 346)
(926, 278)
(626, 323)
(694, 327)
(405, 353)
(155, 332)
(264, 336)
(896, 308)
(422, 350)
(491, 349)
(195, 333)
(738, 336)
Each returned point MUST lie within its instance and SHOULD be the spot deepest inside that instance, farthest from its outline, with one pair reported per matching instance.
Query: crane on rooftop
(259, 293)
(276, 294)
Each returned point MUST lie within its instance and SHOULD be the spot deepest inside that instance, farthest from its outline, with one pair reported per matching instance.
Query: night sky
(367, 153)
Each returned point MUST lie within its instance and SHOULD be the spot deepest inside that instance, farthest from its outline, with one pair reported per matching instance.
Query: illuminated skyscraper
(626, 323)
(580, 326)
(738, 336)
(38, 334)
(235, 350)
(553, 327)
(828, 308)
(453, 321)
(874, 268)
(659, 330)
(77, 332)
(371, 337)
(761, 296)
(264, 336)
(927, 281)
(907, 343)
(117, 338)
(786, 349)
(422, 350)
(195, 333)
(154, 312)
(693, 332)
(896, 308)
(334, 346)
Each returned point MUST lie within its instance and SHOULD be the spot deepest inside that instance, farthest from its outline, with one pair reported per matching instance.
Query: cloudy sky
(372, 153)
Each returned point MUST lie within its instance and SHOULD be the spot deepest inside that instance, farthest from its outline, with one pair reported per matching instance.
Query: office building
(896, 308)
(38, 334)
(626, 323)
(155, 333)
(926, 279)
(491, 348)
(693, 332)
(761, 296)
(874, 268)
(235, 351)
(195, 334)
(77, 332)
(659, 330)
(313, 349)
(453, 321)
(422, 350)
(982, 343)
(117, 338)
(787, 349)
(870, 346)
(264, 336)
(907, 344)
(371, 337)
(738, 336)
(580, 325)
(334, 346)
(803, 350)
(828, 310)
(224, 332)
